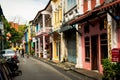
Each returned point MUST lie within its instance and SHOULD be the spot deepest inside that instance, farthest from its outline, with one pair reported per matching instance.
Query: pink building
(100, 32)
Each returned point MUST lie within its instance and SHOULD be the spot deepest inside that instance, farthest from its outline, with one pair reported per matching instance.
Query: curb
(85, 75)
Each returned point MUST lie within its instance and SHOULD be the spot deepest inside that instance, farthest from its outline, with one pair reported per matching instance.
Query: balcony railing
(71, 13)
(44, 30)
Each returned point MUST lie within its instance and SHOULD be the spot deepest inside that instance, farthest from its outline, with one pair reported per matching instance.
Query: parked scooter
(12, 64)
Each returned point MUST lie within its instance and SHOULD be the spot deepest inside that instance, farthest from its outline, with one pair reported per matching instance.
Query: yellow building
(29, 39)
(56, 23)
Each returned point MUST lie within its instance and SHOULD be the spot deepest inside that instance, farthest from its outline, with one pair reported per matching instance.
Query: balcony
(71, 13)
(46, 30)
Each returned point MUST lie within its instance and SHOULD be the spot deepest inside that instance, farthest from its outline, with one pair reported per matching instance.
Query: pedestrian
(23, 52)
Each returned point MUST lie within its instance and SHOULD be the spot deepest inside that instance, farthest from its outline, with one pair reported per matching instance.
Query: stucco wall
(93, 30)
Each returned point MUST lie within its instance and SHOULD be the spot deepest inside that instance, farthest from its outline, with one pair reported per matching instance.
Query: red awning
(104, 7)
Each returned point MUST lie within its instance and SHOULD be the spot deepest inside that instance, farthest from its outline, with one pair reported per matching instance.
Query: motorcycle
(12, 63)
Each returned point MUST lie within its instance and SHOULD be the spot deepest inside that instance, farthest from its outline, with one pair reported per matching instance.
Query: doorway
(94, 52)
(50, 51)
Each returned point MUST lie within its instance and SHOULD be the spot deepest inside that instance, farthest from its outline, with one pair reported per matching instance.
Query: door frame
(94, 52)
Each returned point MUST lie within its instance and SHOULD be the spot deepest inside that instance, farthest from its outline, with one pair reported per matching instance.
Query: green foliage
(15, 35)
(110, 70)
(21, 29)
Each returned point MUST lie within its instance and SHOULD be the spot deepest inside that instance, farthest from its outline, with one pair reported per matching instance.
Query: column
(39, 47)
(112, 35)
(36, 47)
(79, 62)
(109, 32)
(62, 49)
(44, 51)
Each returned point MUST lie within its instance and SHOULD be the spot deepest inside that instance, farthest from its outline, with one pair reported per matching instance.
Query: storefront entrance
(94, 52)
(71, 45)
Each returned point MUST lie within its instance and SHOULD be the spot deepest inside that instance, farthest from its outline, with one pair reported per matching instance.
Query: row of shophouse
(82, 32)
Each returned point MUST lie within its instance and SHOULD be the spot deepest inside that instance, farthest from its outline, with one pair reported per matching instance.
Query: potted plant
(111, 70)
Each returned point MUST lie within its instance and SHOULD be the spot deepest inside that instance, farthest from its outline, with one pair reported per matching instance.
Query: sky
(22, 11)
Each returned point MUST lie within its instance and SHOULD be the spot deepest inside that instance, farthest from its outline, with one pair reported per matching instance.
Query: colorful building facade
(83, 31)
(56, 24)
(42, 23)
(98, 28)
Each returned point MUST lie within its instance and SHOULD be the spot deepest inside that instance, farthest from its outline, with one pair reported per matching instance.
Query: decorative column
(36, 47)
(79, 63)
(39, 47)
(62, 49)
(109, 32)
(112, 34)
(44, 51)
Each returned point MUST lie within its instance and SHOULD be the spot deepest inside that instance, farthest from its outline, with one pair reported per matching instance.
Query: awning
(55, 30)
(93, 12)
(65, 28)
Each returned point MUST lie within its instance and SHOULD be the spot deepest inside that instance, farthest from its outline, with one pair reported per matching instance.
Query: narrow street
(66, 39)
(33, 69)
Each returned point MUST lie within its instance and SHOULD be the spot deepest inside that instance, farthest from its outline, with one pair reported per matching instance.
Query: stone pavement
(69, 66)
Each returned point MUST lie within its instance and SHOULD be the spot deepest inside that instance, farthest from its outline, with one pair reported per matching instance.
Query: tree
(21, 30)
(15, 35)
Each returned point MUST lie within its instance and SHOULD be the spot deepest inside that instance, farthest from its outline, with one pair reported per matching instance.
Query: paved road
(33, 69)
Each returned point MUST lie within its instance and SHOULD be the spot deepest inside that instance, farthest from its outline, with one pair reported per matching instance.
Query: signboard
(116, 55)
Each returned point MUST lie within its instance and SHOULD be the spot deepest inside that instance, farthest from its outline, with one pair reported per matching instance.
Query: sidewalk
(92, 74)
(70, 66)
